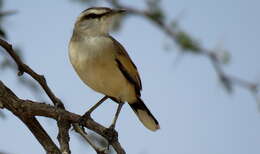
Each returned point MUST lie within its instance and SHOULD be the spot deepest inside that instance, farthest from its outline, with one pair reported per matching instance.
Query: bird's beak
(119, 11)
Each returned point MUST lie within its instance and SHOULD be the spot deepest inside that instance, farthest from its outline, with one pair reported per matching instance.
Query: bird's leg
(87, 114)
(110, 132)
(96, 105)
(120, 105)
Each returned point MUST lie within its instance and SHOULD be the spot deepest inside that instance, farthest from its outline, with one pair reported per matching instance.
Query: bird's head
(96, 20)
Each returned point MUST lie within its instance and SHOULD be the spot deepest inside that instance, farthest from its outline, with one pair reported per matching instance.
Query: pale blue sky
(196, 115)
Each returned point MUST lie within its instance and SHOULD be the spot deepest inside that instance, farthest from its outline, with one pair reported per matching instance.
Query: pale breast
(94, 62)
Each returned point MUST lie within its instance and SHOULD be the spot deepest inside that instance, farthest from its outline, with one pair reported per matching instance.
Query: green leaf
(187, 43)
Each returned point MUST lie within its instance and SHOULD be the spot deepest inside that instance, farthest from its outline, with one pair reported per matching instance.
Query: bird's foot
(111, 135)
(82, 120)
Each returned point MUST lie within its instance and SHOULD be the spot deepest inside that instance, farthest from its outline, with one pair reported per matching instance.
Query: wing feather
(127, 67)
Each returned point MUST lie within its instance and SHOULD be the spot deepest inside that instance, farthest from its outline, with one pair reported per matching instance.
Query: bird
(103, 64)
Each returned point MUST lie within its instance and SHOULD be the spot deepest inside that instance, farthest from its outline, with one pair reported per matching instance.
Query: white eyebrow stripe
(96, 10)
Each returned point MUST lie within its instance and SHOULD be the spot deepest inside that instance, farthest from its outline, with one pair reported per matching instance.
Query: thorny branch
(228, 80)
(26, 110)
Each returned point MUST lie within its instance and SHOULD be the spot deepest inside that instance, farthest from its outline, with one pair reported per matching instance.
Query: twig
(63, 135)
(79, 130)
(22, 67)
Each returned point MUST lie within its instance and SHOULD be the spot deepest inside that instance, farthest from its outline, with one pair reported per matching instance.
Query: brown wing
(127, 67)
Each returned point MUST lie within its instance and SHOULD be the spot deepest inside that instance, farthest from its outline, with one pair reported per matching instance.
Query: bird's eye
(92, 16)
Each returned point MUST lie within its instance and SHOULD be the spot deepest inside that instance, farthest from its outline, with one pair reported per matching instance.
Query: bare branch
(63, 136)
(63, 125)
(22, 67)
(31, 108)
(6, 98)
(41, 135)
(84, 134)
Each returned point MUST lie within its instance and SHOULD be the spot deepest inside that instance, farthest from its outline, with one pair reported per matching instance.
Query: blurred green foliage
(187, 43)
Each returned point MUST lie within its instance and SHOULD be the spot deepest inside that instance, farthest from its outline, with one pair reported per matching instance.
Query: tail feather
(144, 115)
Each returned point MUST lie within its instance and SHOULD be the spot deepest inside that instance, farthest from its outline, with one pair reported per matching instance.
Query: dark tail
(144, 115)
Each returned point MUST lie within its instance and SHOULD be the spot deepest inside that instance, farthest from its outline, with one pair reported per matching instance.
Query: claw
(82, 120)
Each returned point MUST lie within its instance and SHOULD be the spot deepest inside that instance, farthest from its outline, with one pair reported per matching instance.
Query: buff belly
(98, 69)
